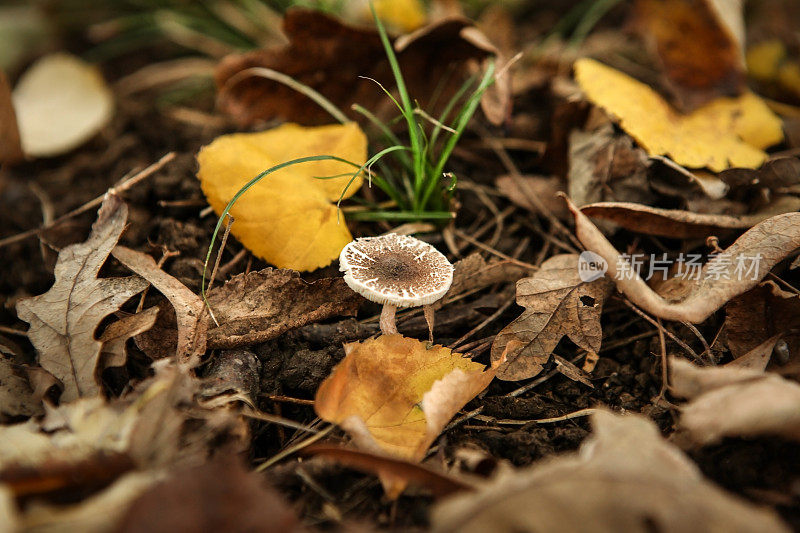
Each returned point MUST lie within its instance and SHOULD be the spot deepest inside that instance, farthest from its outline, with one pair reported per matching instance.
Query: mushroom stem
(388, 326)
(428, 310)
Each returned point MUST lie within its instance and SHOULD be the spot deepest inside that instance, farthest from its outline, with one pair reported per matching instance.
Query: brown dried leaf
(117, 334)
(16, 397)
(776, 173)
(439, 483)
(773, 239)
(189, 308)
(734, 402)
(699, 43)
(672, 223)
(317, 44)
(260, 306)
(759, 314)
(218, 496)
(604, 165)
(626, 477)
(64, 319)
(10, 147)
(557, 303)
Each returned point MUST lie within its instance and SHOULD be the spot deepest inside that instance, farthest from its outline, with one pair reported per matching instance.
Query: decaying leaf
(217, 496)
(64, 319)
(189, 308)
(730, 273)
(439, 483)
(287, 219)
(733, 402)
(117, 334)
(605, 165)
(699, 43)
(10, 147)
(395, 395)
(60, 102)
(759, 314)
(728, 132)
(317, 44)
(557, 303)
(672, 223)
(16, 397)
(260, 306)
(625, 477)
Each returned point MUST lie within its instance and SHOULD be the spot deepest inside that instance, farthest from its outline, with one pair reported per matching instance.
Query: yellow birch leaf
(725, 133)
(395, 395)
(289, 217)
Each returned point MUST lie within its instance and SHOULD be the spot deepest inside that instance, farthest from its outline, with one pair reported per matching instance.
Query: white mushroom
(396, 271)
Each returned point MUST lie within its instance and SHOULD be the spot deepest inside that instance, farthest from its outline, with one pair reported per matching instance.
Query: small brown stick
(668, 333)
(13, 331)
(288, 399)
(121, 187)
(663, 343)
(488, 320)
(512, 422)
(706, 347)
(227, 267)
(216, 265)
(166, 254)
(492, 251)
(293, 449)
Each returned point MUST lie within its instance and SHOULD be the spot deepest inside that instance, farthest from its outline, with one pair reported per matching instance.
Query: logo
(591, 266)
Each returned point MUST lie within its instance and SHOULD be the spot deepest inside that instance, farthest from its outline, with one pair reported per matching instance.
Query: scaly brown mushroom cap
(396, 269)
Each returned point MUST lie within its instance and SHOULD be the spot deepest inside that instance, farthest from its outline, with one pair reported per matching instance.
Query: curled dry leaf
(728, 132)
(189, 308)
(260, 306)
(117, 334)
(734, 402)
(699, 43)
(63, 320)
(604, 164)
(672, 223)
(60, 102)
(394, 395)
(625, 477)
(317, 44)
(557, 303)
(287, 219)
(761, 248)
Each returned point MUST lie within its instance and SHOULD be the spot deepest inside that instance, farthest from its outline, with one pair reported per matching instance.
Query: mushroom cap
(396, 269)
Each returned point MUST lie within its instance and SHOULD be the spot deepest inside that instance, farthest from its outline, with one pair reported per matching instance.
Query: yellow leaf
(289, 217)
(728, 132)
(395, 395)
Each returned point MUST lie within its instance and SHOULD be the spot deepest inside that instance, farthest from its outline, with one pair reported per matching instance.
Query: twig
(668, 332)
(288, 399)
(13, 331)
(492, 251)
(216, 264)
(121, 187)
(663, 343)
(274, 419)
(293, 449)
(511, 422)
(488, 320)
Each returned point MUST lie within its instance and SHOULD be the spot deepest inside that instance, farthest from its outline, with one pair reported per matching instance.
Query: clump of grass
(415, 180)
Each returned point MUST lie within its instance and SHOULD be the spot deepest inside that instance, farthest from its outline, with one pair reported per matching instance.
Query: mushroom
(396, 271)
